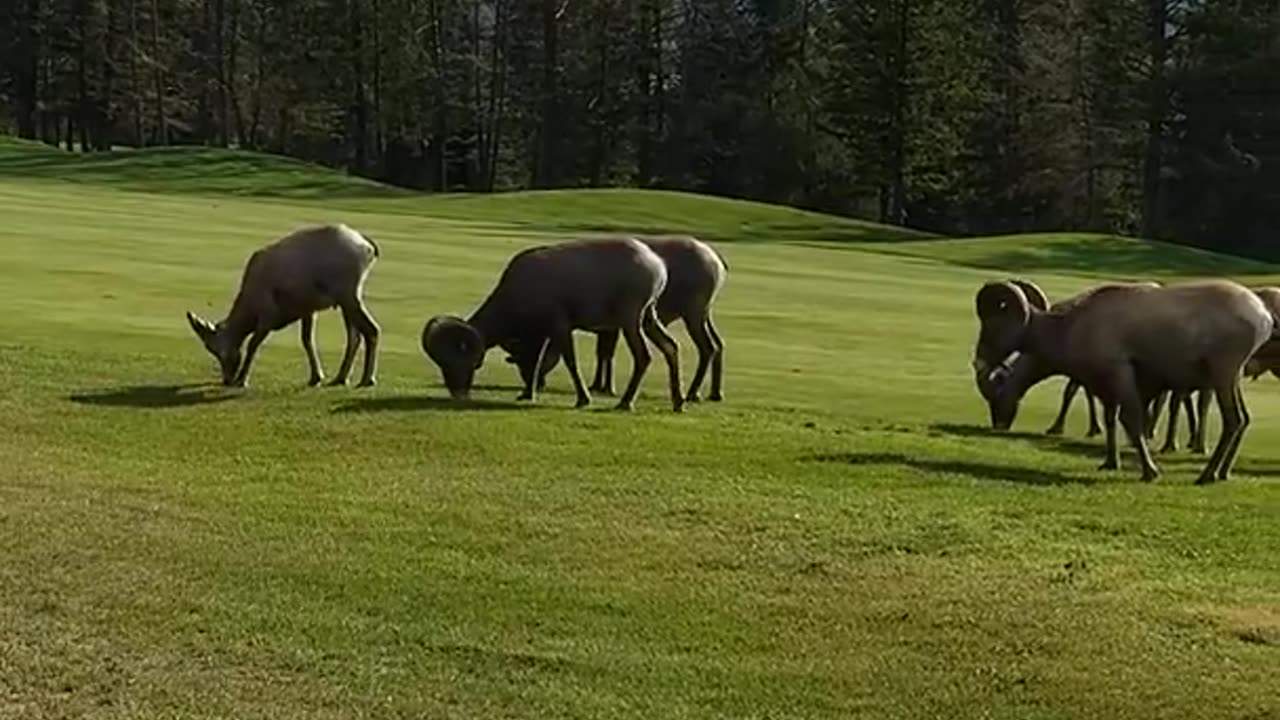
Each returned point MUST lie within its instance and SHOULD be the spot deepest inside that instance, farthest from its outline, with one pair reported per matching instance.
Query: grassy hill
(841, 538)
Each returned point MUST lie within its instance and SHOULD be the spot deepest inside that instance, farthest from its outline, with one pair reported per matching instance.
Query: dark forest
(1156, 118)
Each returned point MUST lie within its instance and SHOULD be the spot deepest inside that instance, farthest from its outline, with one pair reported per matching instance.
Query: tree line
(1155, 117)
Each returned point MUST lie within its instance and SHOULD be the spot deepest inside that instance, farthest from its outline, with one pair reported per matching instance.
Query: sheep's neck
(487, 320)
(1045, 339)
(240, 321)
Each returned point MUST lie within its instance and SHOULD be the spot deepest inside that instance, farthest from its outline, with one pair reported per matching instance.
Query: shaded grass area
(841, 538)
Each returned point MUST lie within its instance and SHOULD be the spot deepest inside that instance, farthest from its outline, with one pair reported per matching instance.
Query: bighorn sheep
(984, 377)
(1266, 359)
(547, 292)
(983, 372)
(695, 274)
(311, 269)
(1126, 343)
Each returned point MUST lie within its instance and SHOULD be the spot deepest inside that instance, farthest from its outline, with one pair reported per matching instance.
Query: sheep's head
(991, 382)
(1004, 313)
(219, 343)
(457, 348)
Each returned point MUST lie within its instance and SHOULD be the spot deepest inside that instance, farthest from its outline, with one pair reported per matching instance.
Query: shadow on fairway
(976, 470)
(1092, 448)
(155, 396)
(420, 403)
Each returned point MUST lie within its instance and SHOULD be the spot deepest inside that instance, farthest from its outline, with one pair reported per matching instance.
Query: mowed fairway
(841, 538)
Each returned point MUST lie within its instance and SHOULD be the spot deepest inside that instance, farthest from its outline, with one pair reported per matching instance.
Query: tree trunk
(26, 70)
(896, 211)
(378, 122)
(1157, 108)
(104, 116)
(440, 115)
(162, 120)
(135, 88)
(220, 70)
(497, 91)
(359, 126)
(547, 163)
(233, 72)
(82, 110)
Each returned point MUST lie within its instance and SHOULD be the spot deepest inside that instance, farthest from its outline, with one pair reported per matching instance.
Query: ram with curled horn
(547, 292)
(1126, 343)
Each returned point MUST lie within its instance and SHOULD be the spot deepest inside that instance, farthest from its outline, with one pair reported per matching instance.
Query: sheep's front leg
(1068, 394)
(563, 338)
(533, 379)
(309, 345)
(242, 377)
(1133, 415)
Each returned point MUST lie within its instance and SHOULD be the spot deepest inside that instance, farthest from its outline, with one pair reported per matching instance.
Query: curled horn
(1035, 296)
(1004, 312)
(1002, 299)
(442, 327)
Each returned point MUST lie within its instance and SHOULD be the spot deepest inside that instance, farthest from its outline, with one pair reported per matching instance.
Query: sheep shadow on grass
(976, 470)
(1059, 443)
(155, 396)
(420, 402)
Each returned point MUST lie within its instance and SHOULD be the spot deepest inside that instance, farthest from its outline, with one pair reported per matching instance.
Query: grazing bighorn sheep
(547, 292)
(983, 372)
(1126, 343)
(1266, 359)
(985, 376)
(695, 274)
(311, 269)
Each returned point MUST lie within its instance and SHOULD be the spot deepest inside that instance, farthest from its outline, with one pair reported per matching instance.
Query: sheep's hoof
(625, 406)
(715, 397)
(524, 396)
(337, 382)
(1205, 479)
(582, 402)
(1109, 465)
(1055, 430)
(315, 380)
(692, 397)
(1150, 476)
(677, 407)
(367, 382)
(1093, 432)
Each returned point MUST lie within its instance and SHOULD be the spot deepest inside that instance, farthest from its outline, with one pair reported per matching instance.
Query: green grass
(841, 538)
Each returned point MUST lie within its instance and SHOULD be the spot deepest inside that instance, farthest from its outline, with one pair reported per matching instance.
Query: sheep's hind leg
(1171, 431)
(1198, 445)
(1235, 418)
(349, 354)
(697, 326)
(606, 346)
(1094, 429)
(369, 330)
(308, 327)
(1153, 413)
(670, 350)
(640, 357)
(717, 361)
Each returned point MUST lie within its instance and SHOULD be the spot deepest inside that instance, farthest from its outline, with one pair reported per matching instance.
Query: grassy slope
(841, 538)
